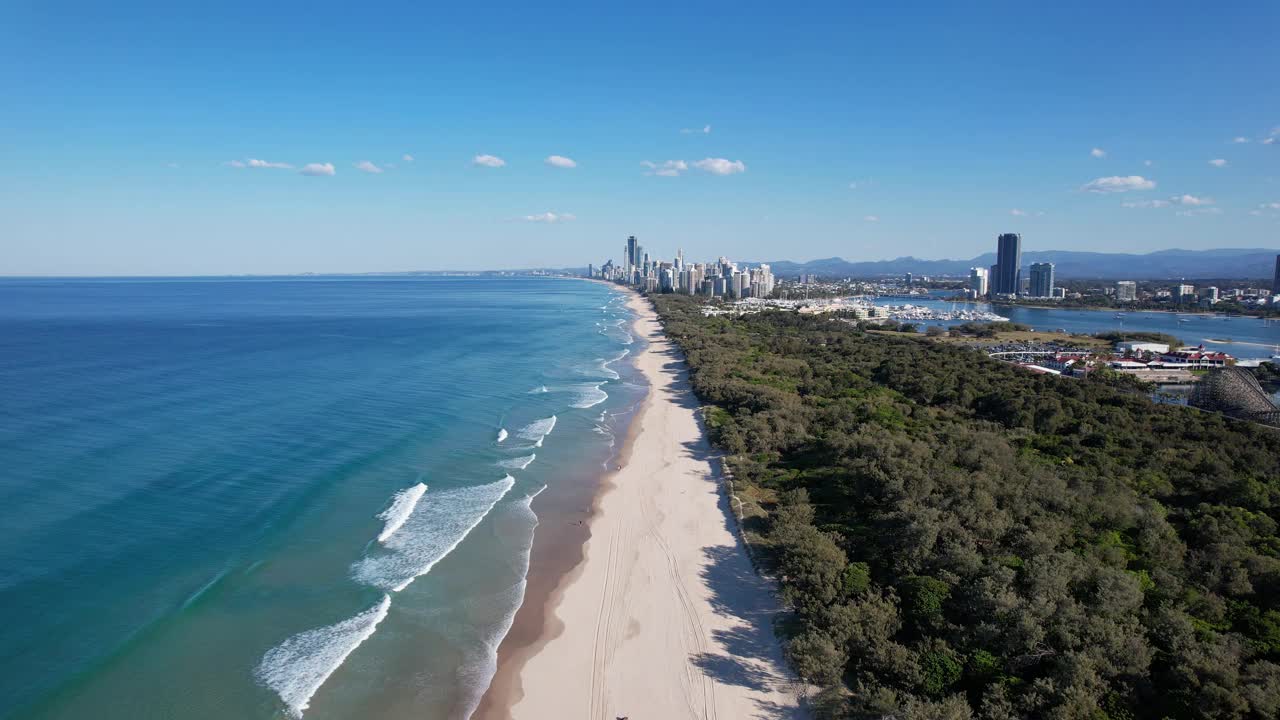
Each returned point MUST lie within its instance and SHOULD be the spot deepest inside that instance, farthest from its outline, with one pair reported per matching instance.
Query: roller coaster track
(1235, 392)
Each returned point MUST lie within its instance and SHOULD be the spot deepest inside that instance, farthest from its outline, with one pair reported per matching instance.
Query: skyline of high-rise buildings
(722, 278)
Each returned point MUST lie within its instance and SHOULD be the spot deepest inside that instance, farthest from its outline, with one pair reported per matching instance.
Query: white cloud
(1268, 141)
(173, 165)
(256, 163)
(720, 166)
(1200, 211)
(318, 169)
(670, 168)
(560, 161)
(407, 158)
(1018, 213)
(1218, 162)
(550, 217)
(1239, 139)
(1270, 206)
(1183, 200)
(253, 163)
(366, 166)
(704, 130)
(1148, 163)
(871, 218)
(1118, 184)
(491, 161)
(1098, 152)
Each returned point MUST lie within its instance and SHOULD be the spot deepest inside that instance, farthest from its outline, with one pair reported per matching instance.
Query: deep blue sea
(257, 498)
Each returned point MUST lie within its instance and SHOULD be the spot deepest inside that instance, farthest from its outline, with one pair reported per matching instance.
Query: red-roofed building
(1197, 357)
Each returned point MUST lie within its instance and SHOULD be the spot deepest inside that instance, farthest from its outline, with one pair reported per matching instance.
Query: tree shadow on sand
(749, 654)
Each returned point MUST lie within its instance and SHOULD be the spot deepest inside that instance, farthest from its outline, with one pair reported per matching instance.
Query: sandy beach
(660, 614)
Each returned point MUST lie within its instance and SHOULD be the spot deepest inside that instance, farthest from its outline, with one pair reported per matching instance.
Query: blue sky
(868, 133)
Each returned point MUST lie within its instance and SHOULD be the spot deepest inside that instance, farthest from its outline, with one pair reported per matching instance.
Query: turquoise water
(212, 492)
(1241, 337)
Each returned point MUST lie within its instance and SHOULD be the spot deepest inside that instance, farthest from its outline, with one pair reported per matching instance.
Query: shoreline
(555, 562)
(650, 601)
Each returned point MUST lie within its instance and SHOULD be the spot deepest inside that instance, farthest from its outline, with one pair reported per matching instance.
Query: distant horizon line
(571, 268)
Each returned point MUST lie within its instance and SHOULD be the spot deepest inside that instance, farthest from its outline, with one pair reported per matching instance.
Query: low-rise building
(1134, 347)
(1196, 357)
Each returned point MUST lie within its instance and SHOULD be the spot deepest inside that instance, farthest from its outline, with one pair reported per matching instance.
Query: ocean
(286, 497)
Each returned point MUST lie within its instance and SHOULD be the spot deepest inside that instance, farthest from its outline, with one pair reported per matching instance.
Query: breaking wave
(588, 395)
(519, 463)
(296, 668)
(538, 430)
(402, 505)
(428, 535)
(502, 434)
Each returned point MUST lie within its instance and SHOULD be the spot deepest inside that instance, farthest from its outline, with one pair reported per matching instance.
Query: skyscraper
(632, 256)
(1042, 279)
(1126, 291)
(978, 279)
(1275, 282)
(1008, 277)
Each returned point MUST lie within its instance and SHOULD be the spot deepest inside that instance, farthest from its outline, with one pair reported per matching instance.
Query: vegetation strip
(960, 538)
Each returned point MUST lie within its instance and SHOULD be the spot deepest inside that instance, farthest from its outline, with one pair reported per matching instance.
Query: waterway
(1245, 338)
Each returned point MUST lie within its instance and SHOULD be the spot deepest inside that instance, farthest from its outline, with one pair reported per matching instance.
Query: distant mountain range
(1165, 264)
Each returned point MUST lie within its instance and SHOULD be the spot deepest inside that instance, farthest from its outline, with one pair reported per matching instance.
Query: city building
(1134, 347)
(1041, 280)
(1126, 291)
(1184, 293)
(1007, 278)
(978, 281)
(632, 254)
(1197, 357)
(1275, 282)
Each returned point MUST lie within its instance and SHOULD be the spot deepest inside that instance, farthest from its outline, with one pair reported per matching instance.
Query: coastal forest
(955, 537)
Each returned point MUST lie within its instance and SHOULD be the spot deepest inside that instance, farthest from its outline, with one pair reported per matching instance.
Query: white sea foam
(477, 674)
(538, 430)
(588, 395)
(297, 667)
(538, 390)
(519, 463)
(502, 434)
(429, 534)
(402, 505)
